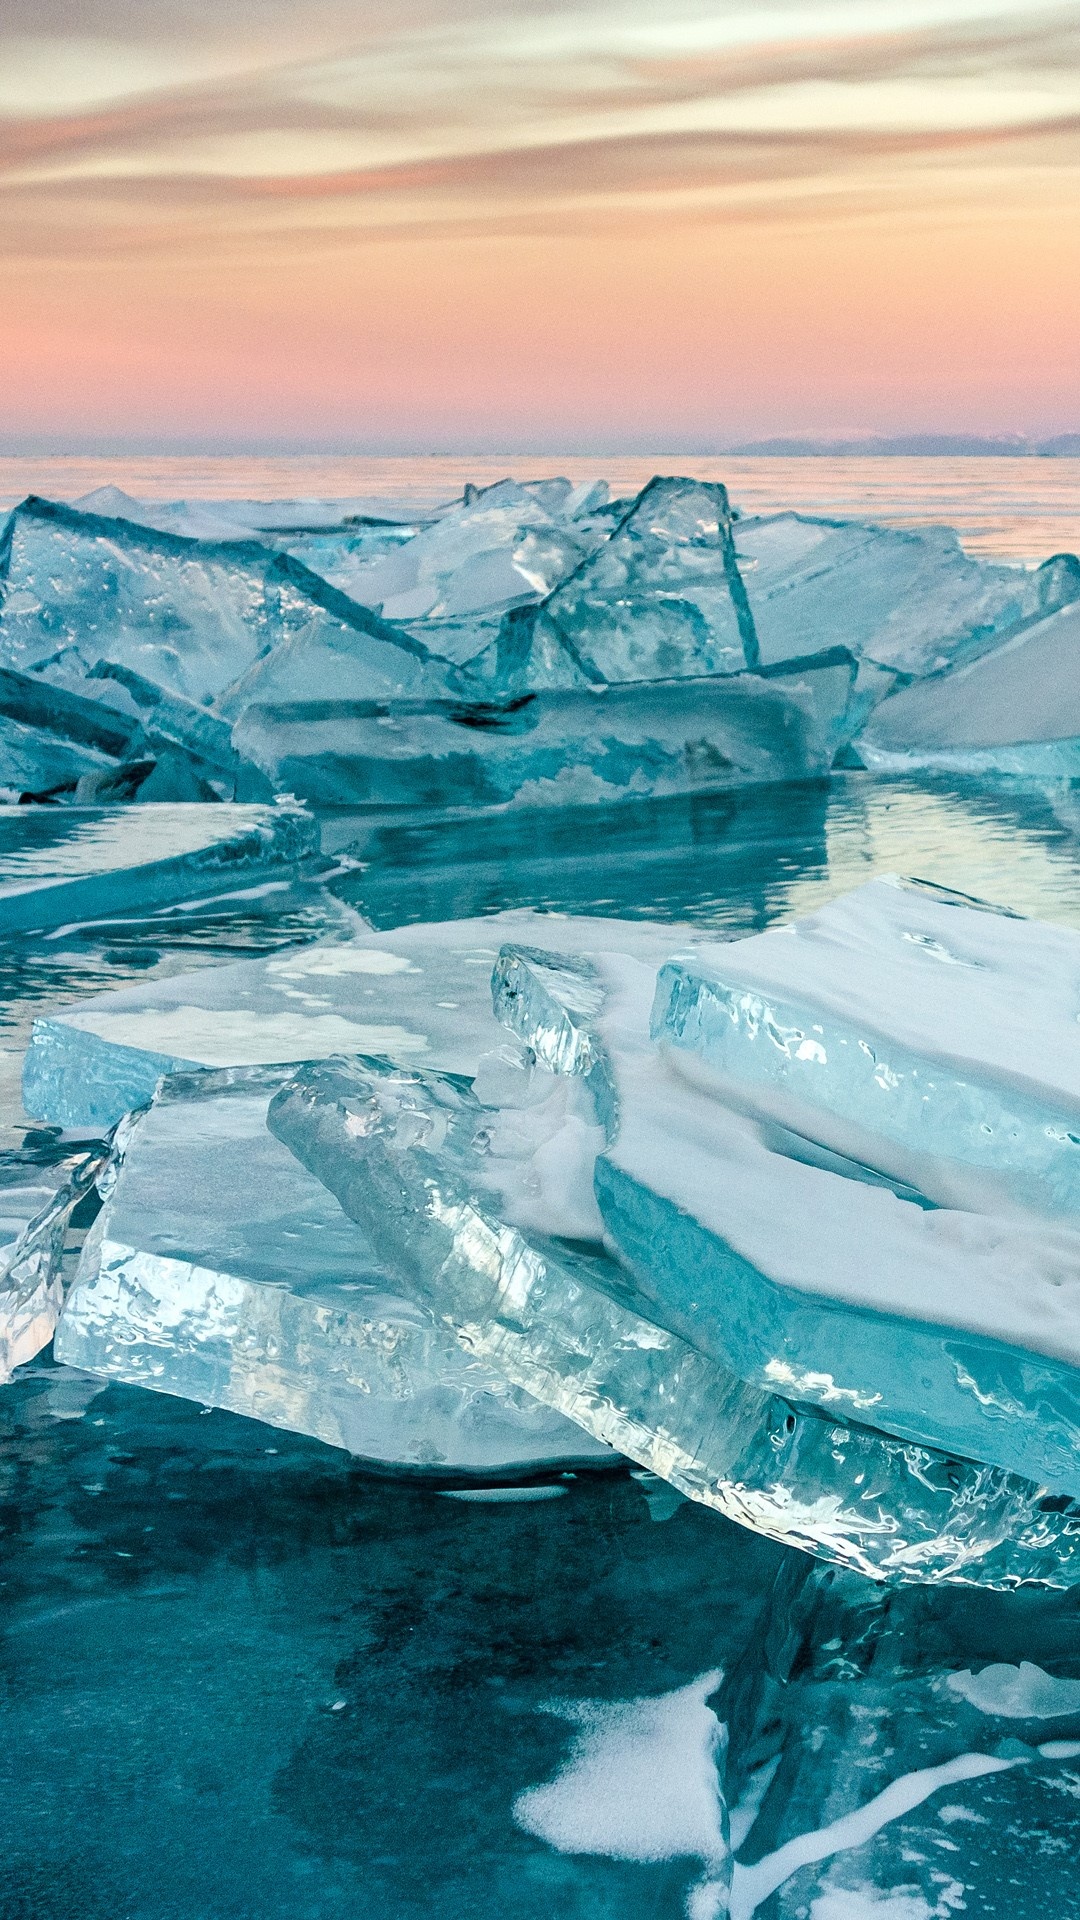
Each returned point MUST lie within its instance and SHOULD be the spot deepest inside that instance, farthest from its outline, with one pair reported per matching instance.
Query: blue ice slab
(578, 746)
(934, 1037)
(192, 616)
(911, 601)
(221, 1271)
(60, 865)
(801, 1270)
(417, 992)
(437, 1179)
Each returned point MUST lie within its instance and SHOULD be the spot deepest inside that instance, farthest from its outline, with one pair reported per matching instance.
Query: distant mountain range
(1063, 446)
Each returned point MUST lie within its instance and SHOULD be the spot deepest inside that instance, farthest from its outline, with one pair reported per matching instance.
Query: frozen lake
(1015, 509)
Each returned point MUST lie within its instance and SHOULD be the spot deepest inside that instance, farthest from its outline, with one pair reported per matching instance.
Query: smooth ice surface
(414, 992)
(306, 1692)
(1017, 709)
(751, 1242)
(435, 1180)
(65, 864)
(935, 1038)
(39, 1190)
(578, 746)
(911, 601)
(221, 1271)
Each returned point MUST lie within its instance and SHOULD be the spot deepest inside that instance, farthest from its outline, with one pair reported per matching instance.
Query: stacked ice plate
(789, 1221)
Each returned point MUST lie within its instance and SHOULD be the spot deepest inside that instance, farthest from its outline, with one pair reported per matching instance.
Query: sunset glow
(472, 223)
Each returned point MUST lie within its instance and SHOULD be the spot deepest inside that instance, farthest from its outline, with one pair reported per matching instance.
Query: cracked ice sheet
(414, 993)
(641, 1782)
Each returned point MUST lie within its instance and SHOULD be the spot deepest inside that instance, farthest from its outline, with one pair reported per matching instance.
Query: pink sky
(466, 226)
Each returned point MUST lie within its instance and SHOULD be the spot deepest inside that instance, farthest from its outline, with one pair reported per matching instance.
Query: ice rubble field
(601, 1245)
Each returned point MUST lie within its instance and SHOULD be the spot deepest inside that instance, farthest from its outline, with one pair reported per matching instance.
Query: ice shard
(1015, 710)
(40, 1187)
(192, 616)
(660, 599)
(433, 1177)
(51, 738)
(61, 865)
(578, 746)
(221, 1271)
(930, 1035)
(910, 601)
(414, 992)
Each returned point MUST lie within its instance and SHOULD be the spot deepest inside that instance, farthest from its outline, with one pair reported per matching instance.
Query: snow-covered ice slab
(438, 1180)
(802, 1270)
(221, 1271)
(59, 865)
(577, 746)
(910, 601)
(39, 1190)
(937, 1039)
(413, 993)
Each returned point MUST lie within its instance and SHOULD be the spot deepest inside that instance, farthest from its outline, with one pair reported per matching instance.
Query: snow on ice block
(1016, 710)
(936, 1038)
(219, 1270)
(411, 993)
(39, 1190)
(438, 1180)
(801, 1270)
(59, 865)
(190, 615)
(912, 601)
(567, 748)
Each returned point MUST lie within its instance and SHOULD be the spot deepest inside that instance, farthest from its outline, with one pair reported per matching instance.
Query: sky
(470, 225)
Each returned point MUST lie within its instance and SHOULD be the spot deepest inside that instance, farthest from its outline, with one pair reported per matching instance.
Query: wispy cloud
(467, 112)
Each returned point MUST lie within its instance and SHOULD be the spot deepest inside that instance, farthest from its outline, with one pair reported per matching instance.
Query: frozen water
(749, 1240)
(437, 1180)
(413, 992)
(1016, 709)
(910, 601)
(935, 1037)
(221, 1271)
(885, 1784)
(40, 1186)
(334, 1684)
(661, 598)
(496, 550)
(579, 746)
(191, 616)
(81, 863)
